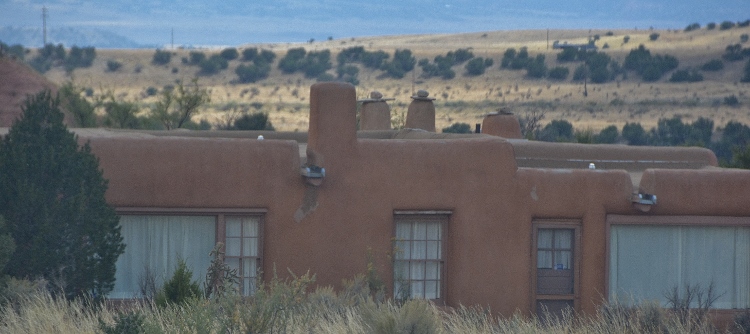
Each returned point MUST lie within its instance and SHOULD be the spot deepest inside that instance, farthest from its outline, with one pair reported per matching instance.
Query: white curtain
(156, 243)
(647, 262)
(242, 250)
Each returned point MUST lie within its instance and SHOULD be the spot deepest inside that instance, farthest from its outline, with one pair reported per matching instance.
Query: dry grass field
(462, 99)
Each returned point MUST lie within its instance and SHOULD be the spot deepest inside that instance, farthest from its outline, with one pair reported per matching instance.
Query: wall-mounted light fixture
(643, 202)
(313, 174)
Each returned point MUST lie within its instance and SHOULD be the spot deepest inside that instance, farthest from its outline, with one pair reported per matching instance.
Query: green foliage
(746, 76)
(692, 26)
(213, 65)
(161, 57)
(48, 56)
(82, 111)
(478, 65)
(119, 114)
(113, 65)
(7, 246)
(731, 100)
(713, 65)
(402, 63)
(348, 73)
(557, 131)
(711, 26)
(626, 39)
(254, 121)
(734, 52)
(651, 68)
(80, 57)
(458, 128)
(580, 73)
(253, 72)
(743, 38)
(653, 36)
(559, 73)
(221, 279)
(608, 135)
(726, 25)
(686, 76)
(537, 68)
(743, 24)
(180, 288)
(316, 63)
(508, 56)
(125, 323)
(264, 56)
(293, 61)
(735, 137)
(634, 134)
(196, 57)
(177, 106)
(15, 50)
(229, 54)
(52, 197)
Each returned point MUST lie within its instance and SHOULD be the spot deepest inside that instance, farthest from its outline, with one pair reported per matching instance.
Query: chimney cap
(422, 95)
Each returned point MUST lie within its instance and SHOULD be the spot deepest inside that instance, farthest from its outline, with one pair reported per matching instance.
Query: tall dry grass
(291, 307)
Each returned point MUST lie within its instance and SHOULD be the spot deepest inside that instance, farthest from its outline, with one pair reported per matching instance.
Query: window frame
(552, 223)
(442, 217)
(220, 215)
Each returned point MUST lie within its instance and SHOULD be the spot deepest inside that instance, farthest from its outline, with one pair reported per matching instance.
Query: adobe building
(473, 219)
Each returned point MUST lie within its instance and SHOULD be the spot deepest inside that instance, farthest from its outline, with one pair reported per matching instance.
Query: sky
(236, 22)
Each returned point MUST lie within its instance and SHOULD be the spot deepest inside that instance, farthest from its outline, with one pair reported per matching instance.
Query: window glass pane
(156, 243)
(403, 250)
(247, 288)
(401, 270)
(418, 250)
(233, 263)
(403, 231)
(417, 270)
(250, 247)
(420, 231)
(233, 247)
(433, 250)
(544, 238)
(563, 239)
(250, 228)
(234, 227)
(417, 289)
(544, 259)
(432, 270)
(562, 259)
(433, 231)
(431, 290)
(248, 267)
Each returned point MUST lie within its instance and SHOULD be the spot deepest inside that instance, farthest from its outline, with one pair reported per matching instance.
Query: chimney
(333, 121)
(421, 112)
(502, 124)
(375, 113)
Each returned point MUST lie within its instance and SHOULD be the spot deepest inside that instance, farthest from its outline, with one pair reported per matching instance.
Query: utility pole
(44, 25)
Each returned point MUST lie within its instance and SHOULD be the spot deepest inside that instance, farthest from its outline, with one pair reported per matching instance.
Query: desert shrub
(196, 57)
(685, 75)
(743, 24)
(731, 101)
(536, 68)
(293, 61)
(626, 39)
(213, 65)
(651, 68)
(634, 134)
(254, 121)
(726, 25)
(746, 76)
(316, 63)
(580, 73)
(180, 288)
(151, 91)
(16, 50)
(82, 111)
(403, 62)
(249, 54)
(608, 135)
(374, 59)
(229, 54)
(605, 46)
(733, 53)
(559, 73)
(508, 57)
(744, 38)
(113, 65)
(161, 57)
(477, 66)
(415, 316)
(80, 57)
(711, 26)
(693, 26)
(125, 323)
(557, 131)
(48, 56)
(252, 73)
(348, 73)
(458, 128)
(653, 36)
(713, 65)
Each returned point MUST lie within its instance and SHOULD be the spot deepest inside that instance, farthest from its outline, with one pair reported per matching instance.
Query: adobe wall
(330, 229)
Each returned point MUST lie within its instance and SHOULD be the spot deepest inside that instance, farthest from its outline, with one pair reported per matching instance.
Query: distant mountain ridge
(32, 37)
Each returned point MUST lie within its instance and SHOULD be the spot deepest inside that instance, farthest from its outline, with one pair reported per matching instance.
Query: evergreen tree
(52, 198)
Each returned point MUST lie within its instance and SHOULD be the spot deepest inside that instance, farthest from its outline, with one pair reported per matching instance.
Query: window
(156, 239)
(242, 250)
(646, 262)
(555, 276)
(418, 253)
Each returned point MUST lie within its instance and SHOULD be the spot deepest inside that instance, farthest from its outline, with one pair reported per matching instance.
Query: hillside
(463, 98)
